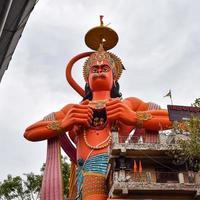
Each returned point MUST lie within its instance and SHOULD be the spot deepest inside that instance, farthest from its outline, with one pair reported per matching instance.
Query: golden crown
(114, 61)
(102, 38)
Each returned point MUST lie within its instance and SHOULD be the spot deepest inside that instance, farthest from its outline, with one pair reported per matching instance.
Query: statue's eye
(105, 68)
(94, 70)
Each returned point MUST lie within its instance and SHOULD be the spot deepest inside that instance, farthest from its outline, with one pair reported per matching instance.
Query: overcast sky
(159, 44)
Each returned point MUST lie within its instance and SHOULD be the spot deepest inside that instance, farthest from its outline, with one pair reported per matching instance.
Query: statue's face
(100, 76)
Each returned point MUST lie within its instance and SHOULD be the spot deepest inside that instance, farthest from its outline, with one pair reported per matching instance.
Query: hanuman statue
(89, 123)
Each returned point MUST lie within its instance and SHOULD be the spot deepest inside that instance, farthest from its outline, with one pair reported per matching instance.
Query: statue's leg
(94, 187)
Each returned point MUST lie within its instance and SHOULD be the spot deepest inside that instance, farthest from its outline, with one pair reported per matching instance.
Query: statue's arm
(134, 112)
(41, 130)
(65, 119)
(149, 119)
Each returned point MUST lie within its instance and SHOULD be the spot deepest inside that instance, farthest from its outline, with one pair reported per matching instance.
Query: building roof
(13, 17)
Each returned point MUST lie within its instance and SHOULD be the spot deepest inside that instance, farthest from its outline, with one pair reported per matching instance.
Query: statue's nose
(99, 70)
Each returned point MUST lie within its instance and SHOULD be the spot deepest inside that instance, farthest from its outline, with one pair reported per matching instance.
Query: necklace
(98, 104)
(102, 145)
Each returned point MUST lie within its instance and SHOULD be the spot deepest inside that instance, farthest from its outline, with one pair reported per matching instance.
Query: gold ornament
(102, 38)
(98, 104)
(104, 144)
(115, 63)
(54, 125)
(143, 116)
(101, 35)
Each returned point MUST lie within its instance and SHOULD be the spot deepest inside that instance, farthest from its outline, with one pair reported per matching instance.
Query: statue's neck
(100, 95)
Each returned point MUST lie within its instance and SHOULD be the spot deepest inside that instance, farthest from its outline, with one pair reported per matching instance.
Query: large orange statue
(89, 123)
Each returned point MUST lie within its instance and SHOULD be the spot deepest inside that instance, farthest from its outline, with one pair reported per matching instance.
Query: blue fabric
(96, 164)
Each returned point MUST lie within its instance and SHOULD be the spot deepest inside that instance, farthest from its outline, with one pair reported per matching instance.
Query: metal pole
(5, 15)
(171, 101)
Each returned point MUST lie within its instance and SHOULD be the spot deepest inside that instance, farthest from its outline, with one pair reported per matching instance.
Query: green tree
(66, 174)
(22, 189)
(32, 185)
(196, 103)
(12, 188)
(28, 188)
(190, 147)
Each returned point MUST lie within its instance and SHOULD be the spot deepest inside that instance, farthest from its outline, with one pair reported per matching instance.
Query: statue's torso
(91, 137)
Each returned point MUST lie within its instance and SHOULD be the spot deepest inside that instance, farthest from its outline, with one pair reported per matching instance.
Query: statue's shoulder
(136, 104)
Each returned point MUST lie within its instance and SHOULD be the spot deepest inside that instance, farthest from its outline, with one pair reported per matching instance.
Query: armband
(141, 117)
(54, 125)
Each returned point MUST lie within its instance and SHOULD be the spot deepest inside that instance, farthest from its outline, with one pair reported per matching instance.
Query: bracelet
(54, 125)
(141, 117)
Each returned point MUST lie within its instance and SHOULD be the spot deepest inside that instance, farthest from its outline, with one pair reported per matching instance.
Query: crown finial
(101, 35)
(101, 20)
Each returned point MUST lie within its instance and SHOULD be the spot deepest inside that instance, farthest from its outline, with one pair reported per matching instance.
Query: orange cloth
(140, 167)
(135, 167)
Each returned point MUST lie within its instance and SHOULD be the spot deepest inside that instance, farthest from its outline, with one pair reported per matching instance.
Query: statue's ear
(114, 77)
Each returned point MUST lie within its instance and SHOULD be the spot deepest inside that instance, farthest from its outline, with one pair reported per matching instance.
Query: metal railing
(138, 140)
(160, 177)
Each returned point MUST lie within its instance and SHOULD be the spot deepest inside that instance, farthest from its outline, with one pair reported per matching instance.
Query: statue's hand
(118, 110)
(79, 114)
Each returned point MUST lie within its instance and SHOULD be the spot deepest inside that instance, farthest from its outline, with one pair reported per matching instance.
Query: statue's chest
(96, 136)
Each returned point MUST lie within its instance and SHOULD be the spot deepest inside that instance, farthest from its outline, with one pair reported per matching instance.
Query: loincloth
(91, 176)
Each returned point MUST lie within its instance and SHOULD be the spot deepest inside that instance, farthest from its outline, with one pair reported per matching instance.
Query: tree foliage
(190, 147)
(15, 188)
(196, 103)
(12, 188)
(66, 174)
(28, 187)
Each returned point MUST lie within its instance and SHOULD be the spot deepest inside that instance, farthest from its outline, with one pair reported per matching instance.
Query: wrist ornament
(54, 125)
(141, 117)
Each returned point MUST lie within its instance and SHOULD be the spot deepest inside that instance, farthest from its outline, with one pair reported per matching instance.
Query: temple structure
(143, 168)
(146, 167)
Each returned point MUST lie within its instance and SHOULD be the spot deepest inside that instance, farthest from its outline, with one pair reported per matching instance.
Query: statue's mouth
(99, 120)
(100, 76)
